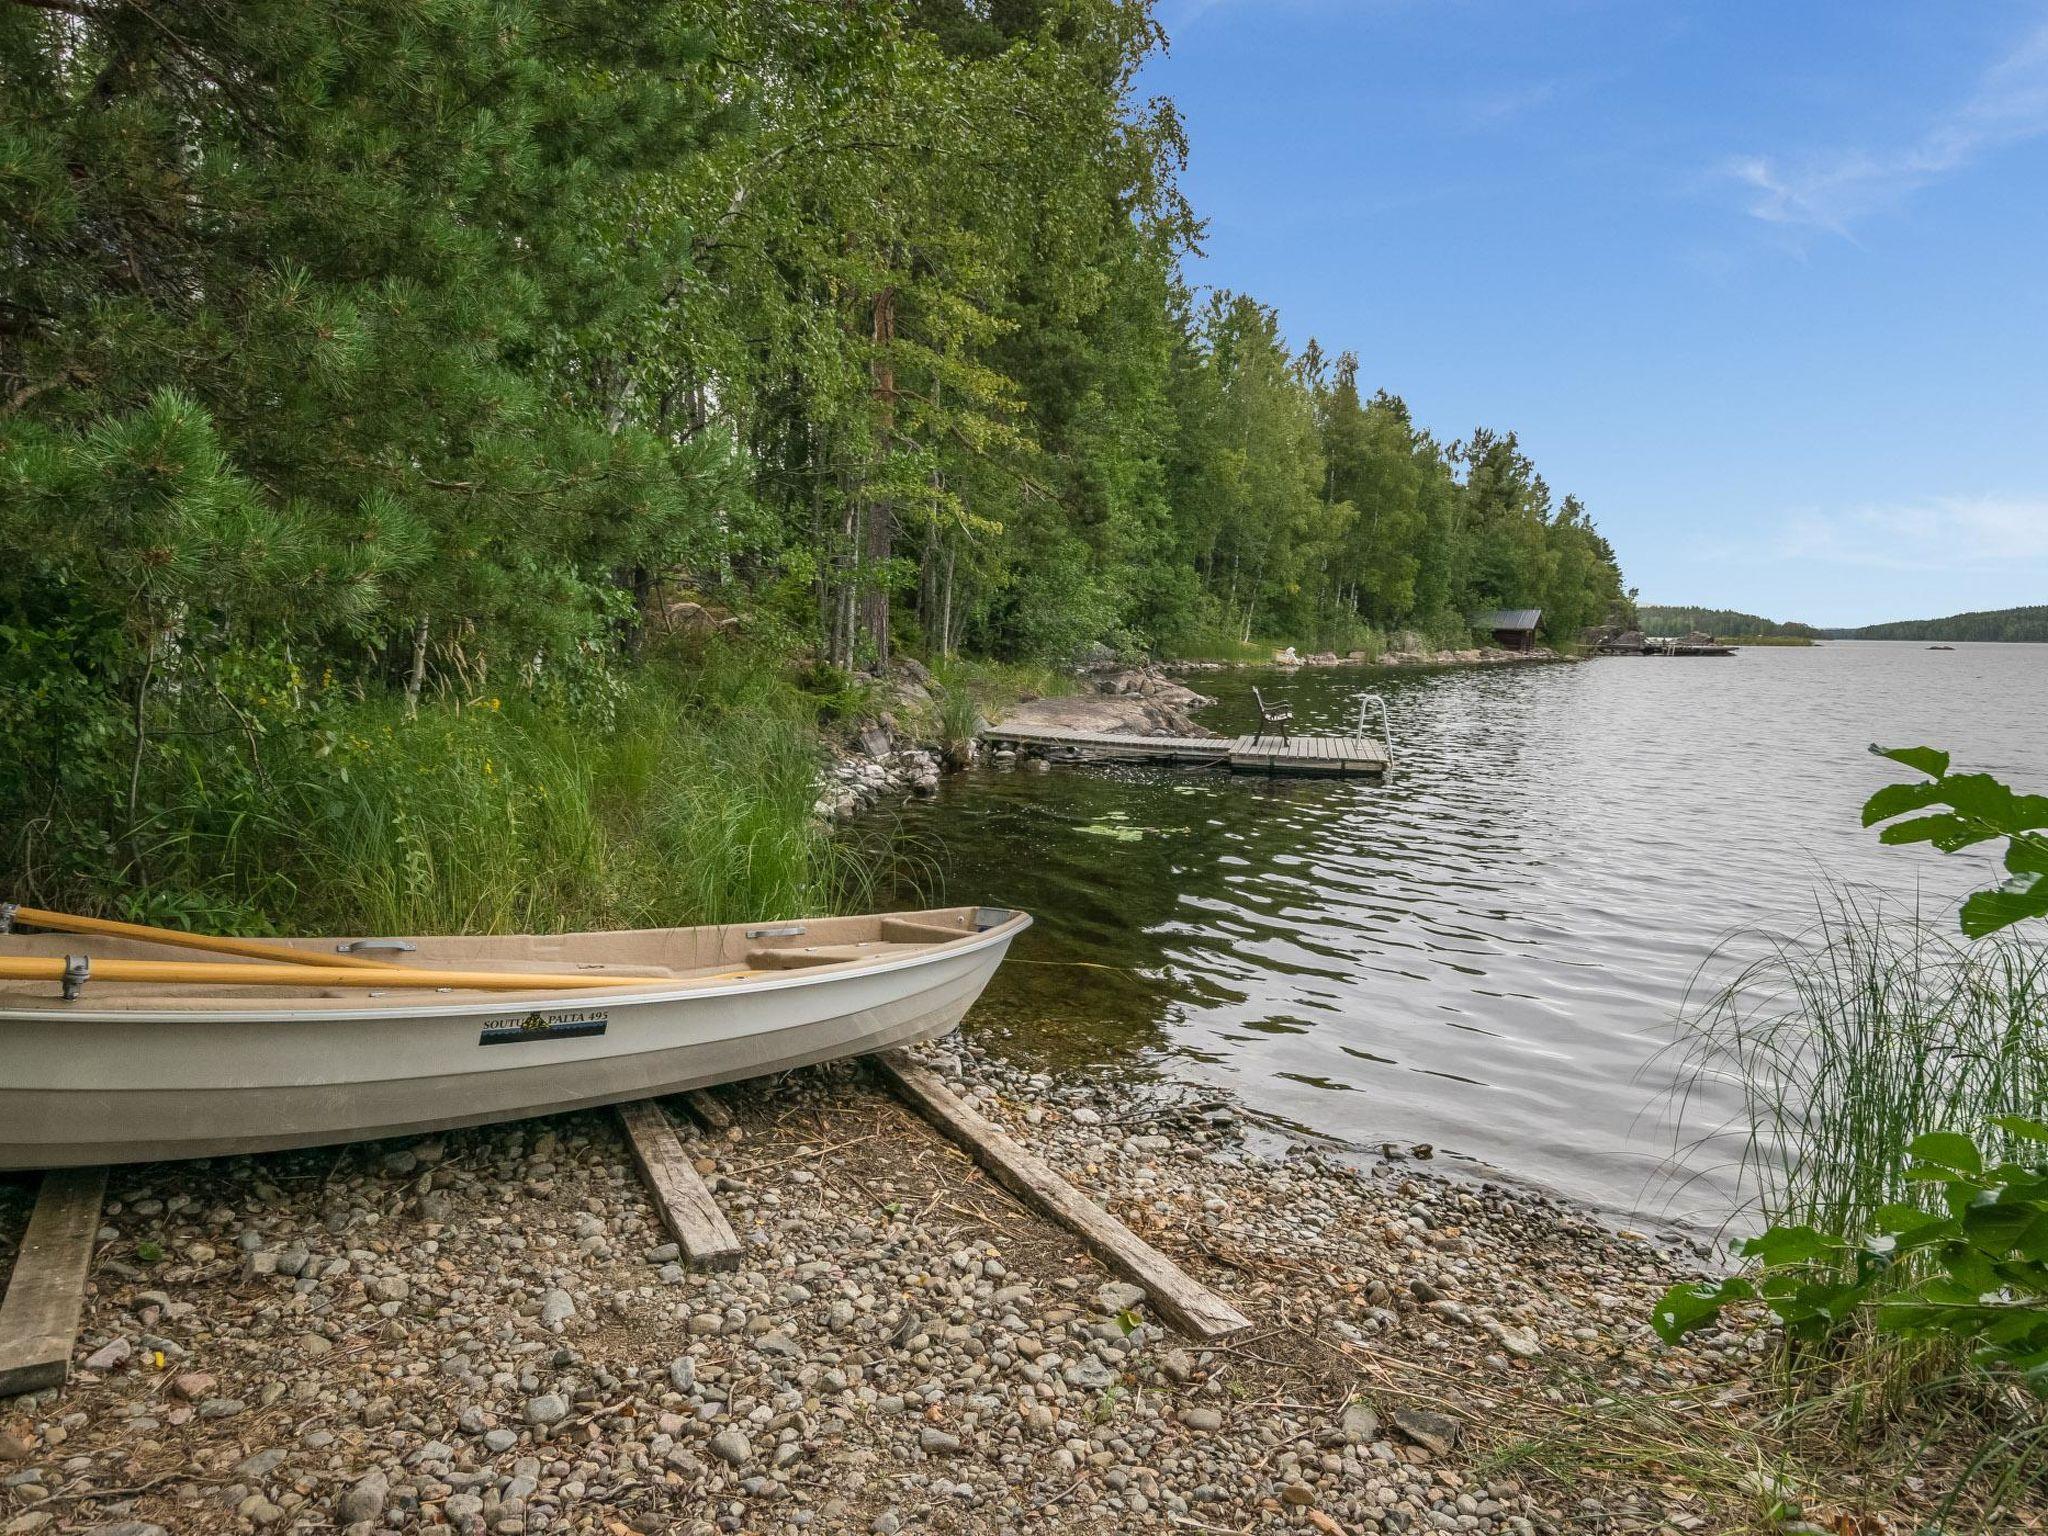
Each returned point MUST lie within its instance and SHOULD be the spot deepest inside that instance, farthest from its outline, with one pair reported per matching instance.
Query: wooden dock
(1334, 756)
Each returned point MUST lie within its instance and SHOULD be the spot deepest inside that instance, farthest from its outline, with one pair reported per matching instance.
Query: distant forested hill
(1999, 624)
(1723, 622)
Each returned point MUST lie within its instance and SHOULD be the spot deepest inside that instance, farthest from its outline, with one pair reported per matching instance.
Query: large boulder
(683, 617)
(1120, 714)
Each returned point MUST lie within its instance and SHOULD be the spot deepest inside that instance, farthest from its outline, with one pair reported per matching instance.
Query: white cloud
(1950, 533)
(1832, 190)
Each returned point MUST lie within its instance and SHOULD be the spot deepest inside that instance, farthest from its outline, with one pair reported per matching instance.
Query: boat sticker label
(518, 1029)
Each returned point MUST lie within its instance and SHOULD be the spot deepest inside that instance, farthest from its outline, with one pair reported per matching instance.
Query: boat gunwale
(270, 1010)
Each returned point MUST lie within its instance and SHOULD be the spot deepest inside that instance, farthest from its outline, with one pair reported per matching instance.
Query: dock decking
(1336, 756)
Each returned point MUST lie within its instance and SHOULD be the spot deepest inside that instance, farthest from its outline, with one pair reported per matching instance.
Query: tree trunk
(824, 578)
(946, 609)
(418, 675)
(847, 558)
(881, 512)
(135, 762)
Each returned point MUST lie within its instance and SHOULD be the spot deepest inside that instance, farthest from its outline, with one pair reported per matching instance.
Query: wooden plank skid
(692, 1217)
(707, 1107)
(46, 1292)
(1183, 1301)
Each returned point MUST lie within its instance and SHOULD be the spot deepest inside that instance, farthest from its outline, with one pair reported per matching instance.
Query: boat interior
(684, 957)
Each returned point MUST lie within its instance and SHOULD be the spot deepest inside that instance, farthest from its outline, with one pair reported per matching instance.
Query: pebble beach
(488, 1331)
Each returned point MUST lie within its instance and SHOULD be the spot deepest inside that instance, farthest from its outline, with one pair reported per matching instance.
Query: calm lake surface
(1486, 953)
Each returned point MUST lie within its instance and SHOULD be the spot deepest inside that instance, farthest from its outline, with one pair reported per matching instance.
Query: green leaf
(1983, 798)
(1928, 760)
(1986, 912)
(2022, 1127)
(1685, 1307)
(1897, 799)
(1944, 829)
(2027, 855)
(1899, 1217)
(1998, 1228)
(1948, 1149)
(1781, 1246)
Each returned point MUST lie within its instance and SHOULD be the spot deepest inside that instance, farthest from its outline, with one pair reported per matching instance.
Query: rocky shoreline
(487, 1332)
(896, 753)
(1413, 656)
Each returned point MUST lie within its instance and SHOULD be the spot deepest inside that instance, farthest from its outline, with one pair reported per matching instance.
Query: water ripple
(1487, 952)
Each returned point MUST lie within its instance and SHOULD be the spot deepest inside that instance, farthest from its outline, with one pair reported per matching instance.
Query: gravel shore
(488, 1331)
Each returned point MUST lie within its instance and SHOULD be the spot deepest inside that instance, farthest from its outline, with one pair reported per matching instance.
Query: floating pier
(1331, 756)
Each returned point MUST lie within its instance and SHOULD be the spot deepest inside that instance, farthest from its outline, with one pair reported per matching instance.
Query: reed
(966, 694)
(1851, 1038)
(959, 715)
(1845, 1042)
(681, 794)
(1221, 644)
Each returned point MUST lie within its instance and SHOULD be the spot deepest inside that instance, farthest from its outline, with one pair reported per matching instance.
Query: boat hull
(82, 1089)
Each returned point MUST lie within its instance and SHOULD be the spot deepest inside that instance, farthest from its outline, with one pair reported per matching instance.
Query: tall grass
(1844, 1043)
(991, 687)
(681, 794)
(1220, 644)
(1852, 1038)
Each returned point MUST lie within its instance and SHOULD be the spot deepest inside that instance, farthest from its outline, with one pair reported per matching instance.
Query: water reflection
(1486, 952)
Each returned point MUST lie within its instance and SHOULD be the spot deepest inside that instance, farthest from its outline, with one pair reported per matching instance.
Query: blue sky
(1767, 285)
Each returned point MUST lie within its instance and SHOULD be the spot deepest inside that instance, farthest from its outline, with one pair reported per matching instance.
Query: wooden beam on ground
(46, 1291)
(706, 1107)
(692, 1217)
(1183, 1301)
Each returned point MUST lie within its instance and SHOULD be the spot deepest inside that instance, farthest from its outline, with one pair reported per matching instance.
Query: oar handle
(253, 949)
(68, 970)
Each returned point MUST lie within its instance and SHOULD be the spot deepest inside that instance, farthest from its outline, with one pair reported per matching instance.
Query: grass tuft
(1845, 1042)
(1852, 1038)
(682, 796)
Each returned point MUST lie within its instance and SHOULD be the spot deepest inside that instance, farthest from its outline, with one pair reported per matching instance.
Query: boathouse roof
(1507, 618)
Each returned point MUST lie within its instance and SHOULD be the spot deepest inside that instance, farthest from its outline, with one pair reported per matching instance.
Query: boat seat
(819, 954)
(908, 930)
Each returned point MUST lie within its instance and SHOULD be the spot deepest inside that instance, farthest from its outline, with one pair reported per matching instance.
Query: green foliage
(290, 315)
(996, 686)
(959, 715)
(1896, 1249)
(361, 363)
(1972, 1269)
(1998, 624)
(1978, 809)
(681, 796)
(1722, 623)
(1853, 1037)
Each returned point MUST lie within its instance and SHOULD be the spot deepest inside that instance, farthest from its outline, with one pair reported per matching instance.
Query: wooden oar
(255, 949)
(202, 973)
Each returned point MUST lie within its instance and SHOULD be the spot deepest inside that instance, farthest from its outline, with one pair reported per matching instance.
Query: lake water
(1487, 952)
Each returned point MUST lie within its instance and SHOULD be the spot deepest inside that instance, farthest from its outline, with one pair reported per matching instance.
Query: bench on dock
(1270, 715)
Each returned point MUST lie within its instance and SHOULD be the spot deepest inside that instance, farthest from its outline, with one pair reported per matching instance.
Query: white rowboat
(128, 1071)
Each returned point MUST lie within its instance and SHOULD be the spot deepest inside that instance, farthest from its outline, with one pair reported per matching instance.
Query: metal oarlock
(77, 972)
